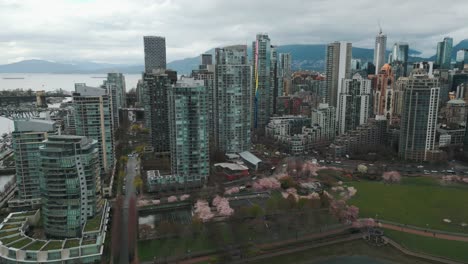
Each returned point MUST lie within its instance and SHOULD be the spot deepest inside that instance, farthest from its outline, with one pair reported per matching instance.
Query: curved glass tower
(70, 184)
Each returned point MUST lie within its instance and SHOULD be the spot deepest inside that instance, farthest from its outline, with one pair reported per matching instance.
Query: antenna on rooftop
(380, 27)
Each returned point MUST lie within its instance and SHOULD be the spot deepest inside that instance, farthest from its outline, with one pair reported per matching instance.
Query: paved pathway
(129, 192)
(424, 233)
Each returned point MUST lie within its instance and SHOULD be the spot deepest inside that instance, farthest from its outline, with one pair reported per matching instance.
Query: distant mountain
(43, 66)
(305, 57)
(37, 66)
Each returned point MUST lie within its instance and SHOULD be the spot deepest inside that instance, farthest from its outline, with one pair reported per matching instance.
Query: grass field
(455, 250)
(147, 250)
(358, 248)
(418, 201)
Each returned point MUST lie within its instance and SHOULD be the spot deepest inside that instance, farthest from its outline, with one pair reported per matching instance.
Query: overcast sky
(112, 30)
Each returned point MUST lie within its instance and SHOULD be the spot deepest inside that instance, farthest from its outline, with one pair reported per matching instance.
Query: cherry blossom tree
(184, 197)
(232, 190)
(172, 199)
(351, 191)
(391, 177)
(222, 206)
(203, 210)
(266, 184)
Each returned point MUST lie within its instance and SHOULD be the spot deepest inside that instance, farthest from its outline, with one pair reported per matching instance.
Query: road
(132, 164)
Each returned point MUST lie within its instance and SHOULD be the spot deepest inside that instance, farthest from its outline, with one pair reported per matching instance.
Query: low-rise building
(231, 171)
(370, 134)
(16, 247)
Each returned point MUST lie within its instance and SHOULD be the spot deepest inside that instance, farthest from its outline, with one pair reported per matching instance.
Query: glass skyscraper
(399, 59)
(155, 53)
(188, 126)
(419, 116)
(70, 184)
(444, 53)
(233, 88)
(27, 137)
(93, 118)
(263, 81)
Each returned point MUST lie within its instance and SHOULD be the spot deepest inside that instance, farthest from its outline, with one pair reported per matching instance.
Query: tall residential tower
(93, 118)
(338, 67)
(233, 88)
(27, 137)
(70, 184)
(419, 116)
(188, 126)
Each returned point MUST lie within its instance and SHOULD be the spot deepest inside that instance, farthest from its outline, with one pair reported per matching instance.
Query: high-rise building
(383, 93)
(155, 53)
(206, 59)
(156, 107)
(462, 59)
(233, 88)
(353, 104)
(70, 184)
(338, 67)
(379, 51)
(115, 85)
(284, 73)
(444, 53)
(324, 117)
(188, 126)
(263, 81)
(399, 59)
(206, 73)
(27, 137)
(419, 117)
(93, 118)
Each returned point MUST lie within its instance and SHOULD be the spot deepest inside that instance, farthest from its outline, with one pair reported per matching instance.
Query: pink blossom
(391, 177)
(222, 206)
(313, 196)
(172, 199)
(351, 191)
(232, 190)
(184, 197)
(216, 200)
(266, 184)
(203, 210)
(156, 202)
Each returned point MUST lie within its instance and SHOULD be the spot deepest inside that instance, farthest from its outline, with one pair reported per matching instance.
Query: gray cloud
(111, 30)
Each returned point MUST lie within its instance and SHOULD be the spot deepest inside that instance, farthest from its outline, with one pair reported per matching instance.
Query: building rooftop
(231, 166)
(248, 156)
(34, 125)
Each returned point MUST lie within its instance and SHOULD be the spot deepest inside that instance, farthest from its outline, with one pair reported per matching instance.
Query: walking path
(426, 233)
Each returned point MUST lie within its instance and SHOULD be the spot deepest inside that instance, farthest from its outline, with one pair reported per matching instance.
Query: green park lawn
(148, 249)
(455, 250)
(418, 201)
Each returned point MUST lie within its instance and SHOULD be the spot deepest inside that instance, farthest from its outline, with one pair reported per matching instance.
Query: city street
(129, 192)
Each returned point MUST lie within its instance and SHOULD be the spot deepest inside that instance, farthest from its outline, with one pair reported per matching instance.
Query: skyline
(112, 31)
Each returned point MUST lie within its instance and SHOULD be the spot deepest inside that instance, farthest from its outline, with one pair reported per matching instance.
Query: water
(352, 260)
(51, 82)
(4, 179)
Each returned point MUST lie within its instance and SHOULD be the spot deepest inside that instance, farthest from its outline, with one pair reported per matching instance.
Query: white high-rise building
(338, 67)
(379, 51)
(325, 118)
